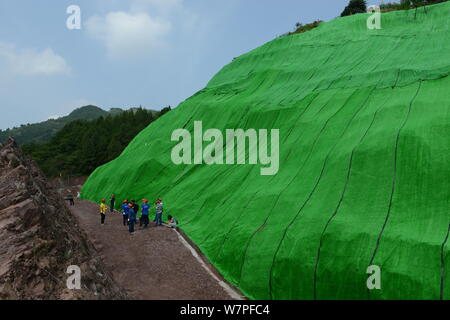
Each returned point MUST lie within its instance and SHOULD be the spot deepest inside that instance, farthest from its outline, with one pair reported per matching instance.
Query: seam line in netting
(342, 198)
(279, 195)
(300, 115)
(235, 224)
(217, 176)
(257, 192)
(310, 103)
(394, 179)
(443, 264)
(223, 202)
(207, 187)
(314, 189)
(235, 191)
(318, 136)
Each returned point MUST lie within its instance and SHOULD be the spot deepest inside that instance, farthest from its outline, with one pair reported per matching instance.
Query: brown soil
(152, 263)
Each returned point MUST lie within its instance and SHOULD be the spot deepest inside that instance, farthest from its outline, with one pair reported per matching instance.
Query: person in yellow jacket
(103, 209)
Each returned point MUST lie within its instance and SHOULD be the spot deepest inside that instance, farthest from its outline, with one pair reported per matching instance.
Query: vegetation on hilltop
(301, 28)
(83, 145)
(353, 7)
(360, 6)
(408, 4)
(42, 132)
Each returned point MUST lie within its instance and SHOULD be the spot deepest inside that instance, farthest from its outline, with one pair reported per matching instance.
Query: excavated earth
(40, 239)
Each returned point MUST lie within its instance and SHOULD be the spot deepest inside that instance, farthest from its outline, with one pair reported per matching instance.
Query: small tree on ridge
(354, 6)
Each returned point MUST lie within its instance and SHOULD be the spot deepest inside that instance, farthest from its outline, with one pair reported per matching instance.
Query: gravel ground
(152, 264)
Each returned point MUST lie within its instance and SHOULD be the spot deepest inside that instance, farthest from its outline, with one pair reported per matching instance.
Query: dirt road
(152, 264)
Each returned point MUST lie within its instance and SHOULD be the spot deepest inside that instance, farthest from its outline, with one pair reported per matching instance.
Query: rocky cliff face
(39, 238)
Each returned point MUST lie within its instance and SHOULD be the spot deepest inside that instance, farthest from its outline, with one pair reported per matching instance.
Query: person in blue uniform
(131, 218)
(125, 212)
(145, 212)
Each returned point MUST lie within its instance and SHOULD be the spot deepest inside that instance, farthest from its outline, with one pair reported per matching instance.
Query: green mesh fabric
(364, 179)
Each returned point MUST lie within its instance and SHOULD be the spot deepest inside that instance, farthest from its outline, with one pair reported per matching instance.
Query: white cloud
(31, 62)
(129, 35)
(138, 31)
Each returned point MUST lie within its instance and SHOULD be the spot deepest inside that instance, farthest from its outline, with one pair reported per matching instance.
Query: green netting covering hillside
(364, 179)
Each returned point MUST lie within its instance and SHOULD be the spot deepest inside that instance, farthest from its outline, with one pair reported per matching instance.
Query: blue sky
(152, 53)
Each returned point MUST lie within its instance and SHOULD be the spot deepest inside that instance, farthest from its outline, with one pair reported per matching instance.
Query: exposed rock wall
(39, 238)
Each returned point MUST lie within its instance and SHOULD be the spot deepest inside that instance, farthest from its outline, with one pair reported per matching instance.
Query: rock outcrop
(40, 238)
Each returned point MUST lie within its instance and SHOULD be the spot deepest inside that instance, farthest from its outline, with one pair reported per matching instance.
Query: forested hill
(83, 145)
(42, 132)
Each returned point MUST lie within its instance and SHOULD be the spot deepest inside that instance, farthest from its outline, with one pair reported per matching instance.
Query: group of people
(132, 213)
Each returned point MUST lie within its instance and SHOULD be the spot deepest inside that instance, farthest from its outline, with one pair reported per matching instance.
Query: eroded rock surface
(40, 239)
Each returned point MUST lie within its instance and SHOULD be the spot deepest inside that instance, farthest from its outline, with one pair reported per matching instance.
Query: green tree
(354, 6)
(83, 145)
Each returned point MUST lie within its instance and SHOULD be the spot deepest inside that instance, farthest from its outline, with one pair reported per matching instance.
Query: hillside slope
(364, 119)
